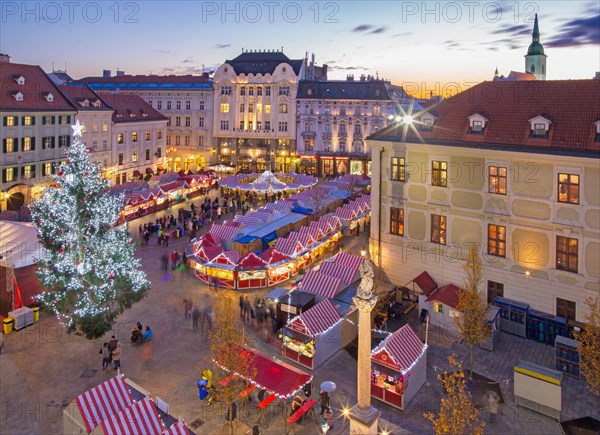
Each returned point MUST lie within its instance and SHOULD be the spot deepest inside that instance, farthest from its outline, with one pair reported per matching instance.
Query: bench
(245, 394)
(262, 406)
(304, 409)
(227, 380)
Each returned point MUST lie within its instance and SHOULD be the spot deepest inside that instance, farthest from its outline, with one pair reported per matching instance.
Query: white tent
(19, 243)
(267, 181)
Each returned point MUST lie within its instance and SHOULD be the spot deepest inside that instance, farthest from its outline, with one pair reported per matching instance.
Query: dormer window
(144, 115)
(20, 80)
(427, 121)
(477, 123)
(96, 103)
(119, 115)
(85, 103)
(18, 96)
(597, 124)
(49, 97)
(540, 125)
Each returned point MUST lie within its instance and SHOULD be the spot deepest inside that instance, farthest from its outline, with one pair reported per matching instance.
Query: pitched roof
(36, 88)
(320, 284)
(77, 95)
(573, 104)
(262, 62)
(140, 417)
(131, 108)
(447, 294)
(316, 320)
(350, 90)
(403, 347)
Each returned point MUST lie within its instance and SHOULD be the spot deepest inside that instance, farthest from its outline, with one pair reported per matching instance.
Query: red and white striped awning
(223, 232)
(207, 253)
(404, 347)
(263, 215)
(345, 274)
(346, 213)
(140, 418)
(290, 246)
(228, 257)
(103, 401)
(178, 429)
(332, 221)
(306, 236)
(316, 231)
(316, 320)
(279, 206)
(351, 261)
(320, 284)
(249, 219)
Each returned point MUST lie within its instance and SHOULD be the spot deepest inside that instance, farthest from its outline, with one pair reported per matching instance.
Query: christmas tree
(87, 265)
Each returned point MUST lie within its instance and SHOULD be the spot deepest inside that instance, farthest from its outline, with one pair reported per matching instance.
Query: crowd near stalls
(160, 191)
(118, 406)
(273, 243)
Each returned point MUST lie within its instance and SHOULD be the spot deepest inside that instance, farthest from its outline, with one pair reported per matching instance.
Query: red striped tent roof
(279, 206)
(316, 231)
(178, 429)
(346, 212)
(210, 239)
(223, 232)
(289, 246)
(306, 236)
(208, 252)
(249, 219)
(316, 320)
(332, 221)
(173, 186)
(227, 257)
(403, 347)
(263, 215)
(447, 294)
(349, 260)
(345, 274)
(133, 199)
(273, 256)
(9, 215)
(251, 260)
(24, 211)
(140, 418)
(103, 401)
(232, 224)
(320, 284)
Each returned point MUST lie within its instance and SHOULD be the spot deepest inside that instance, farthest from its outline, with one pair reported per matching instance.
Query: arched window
(533, 69)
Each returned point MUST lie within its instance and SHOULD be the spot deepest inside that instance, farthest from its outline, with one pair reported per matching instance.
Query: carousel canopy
(268, 182)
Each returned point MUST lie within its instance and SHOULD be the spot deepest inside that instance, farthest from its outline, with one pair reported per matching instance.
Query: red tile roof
(447, 294)
(126, 105)
(509, 105)
(77, 94)
(37, 86)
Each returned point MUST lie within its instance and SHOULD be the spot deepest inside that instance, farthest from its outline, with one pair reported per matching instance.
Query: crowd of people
(260, 315)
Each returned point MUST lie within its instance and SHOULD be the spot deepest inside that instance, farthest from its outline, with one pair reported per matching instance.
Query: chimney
(120, 73)
(597, 76)
(363, 78)
(106, 74)
(350, 77)
(4, 58)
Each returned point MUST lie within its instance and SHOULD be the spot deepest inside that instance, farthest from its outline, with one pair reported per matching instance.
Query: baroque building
(519, 181)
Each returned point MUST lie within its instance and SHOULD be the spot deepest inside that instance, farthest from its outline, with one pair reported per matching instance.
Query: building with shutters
(36, 130)
(516, 176)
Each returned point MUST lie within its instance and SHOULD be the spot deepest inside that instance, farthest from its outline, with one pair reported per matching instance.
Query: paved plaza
(42, 369)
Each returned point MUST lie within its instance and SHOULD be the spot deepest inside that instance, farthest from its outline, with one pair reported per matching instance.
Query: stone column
(363, 417)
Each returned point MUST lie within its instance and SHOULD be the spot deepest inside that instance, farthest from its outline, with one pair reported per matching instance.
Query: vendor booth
(251, 272)
(399, 367)
(442, 306)
(292, 304)
(314, 336)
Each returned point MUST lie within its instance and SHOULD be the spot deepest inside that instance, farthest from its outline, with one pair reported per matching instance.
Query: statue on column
(367, 275)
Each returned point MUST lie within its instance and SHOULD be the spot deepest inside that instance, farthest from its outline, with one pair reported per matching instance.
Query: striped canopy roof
(103, 401)
(403, 347)
(173, 186)
(349, 260)
(346, 212)
(320, 284)
(289, 246)
(279, 206)
(249, 219)
(251, 260)
(306, 236)
(208, 252)
(179, 428)
(316, 320)
(273, 256)
(316, 230)
(223, 232)
(332, 221)
(140, 418)
(227, 257)
(346, 274)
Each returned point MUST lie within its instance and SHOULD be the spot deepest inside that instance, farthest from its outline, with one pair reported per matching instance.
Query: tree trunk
(471, 363)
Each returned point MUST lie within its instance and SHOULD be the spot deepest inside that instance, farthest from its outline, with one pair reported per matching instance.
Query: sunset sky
(410, 43)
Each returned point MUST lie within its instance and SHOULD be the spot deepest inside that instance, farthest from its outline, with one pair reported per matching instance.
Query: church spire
(535, 59)
(536, 30)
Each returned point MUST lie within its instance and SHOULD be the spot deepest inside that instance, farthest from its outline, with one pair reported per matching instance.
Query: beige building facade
(520, 182)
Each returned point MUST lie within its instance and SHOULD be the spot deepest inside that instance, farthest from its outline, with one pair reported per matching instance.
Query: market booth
(442, 306)
(292, 304)
(314, 336)
(399, 367)
(251, 272)
(118, 406)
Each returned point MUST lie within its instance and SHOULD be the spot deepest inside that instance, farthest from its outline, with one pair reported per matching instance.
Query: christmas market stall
(119, 406)
(442, 306)
(399, 367)
(277, 265)
(221, 269)
(251, 272)
(321, 285)
(292, 304)
(314, 336)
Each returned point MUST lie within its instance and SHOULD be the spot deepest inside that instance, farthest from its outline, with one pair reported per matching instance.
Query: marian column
(363, 417)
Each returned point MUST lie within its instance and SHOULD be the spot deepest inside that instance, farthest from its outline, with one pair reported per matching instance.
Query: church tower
(535, 59)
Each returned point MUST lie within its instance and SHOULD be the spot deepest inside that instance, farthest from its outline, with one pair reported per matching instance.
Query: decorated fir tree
(87, 265)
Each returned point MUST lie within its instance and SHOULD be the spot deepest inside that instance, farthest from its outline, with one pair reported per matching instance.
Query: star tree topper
(77, 129)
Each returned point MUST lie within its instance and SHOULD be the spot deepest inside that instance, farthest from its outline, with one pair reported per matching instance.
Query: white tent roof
(268, 181)
(19, 243)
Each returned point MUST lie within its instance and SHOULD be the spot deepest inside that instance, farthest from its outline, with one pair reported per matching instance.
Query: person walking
(187, 308)
(241, 306)
(173, 260)
(164, 261)
(247, 309)
(105, 356)
(112, 344)
(195, 317)
(116, 356)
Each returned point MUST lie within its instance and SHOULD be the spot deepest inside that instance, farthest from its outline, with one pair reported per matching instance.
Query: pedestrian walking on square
(173, 260)
(241, 306)
(164, 260)
(105, 356)
(116, 356)
(195, 317)
(247, 308)
(166, 240)
(187, 307)
(112, 344)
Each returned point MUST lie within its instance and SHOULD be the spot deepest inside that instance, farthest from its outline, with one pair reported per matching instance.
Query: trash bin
(7, 325)
(36, 313)
(202, 383)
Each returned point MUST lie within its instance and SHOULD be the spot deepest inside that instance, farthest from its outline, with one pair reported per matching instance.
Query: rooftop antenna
(52, 66)
(65, 66)
(377, 74)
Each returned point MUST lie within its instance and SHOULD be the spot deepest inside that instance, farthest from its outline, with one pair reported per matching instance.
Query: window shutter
(33, 170)
(16, 120)
(22, 171)
(5, 121)
(53, 141)
(4, 175)
(33, 120)
(4, 146)
(53, 120)
(68, 141)
(68, 119)
(22, 120)
(43, 169)
(22, 144)
(33, 143)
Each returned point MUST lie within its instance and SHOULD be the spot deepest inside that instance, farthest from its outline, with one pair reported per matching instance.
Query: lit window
(134, 156)
(95, 127)
(283, 108)
(105, 127)
(10, 145)
(497, 180)
(147, 135)
(10, 121)
(398, 169)
(497, 240)
(438, 307)
(134, 136)
(439, 173)
(224, 107)
(397, 221)
(159, 134)
(566, 254)
(28, 171)
(120, 138)
(28, 120)
(28, 144)
(438, 229)
(267, 108)
(259, 108)
(47, 169)
(568, 188)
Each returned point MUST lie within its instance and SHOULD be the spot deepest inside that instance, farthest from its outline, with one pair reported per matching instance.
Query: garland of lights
(86, 263)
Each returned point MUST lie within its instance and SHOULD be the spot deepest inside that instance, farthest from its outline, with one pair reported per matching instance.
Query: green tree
(472, 325)
(458, 414)
(227, 342)
(589, 352)
(87, 265)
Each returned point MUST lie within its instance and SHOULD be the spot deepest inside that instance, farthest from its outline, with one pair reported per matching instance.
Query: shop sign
(384, 359)
(289, 308)
(171, 150)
